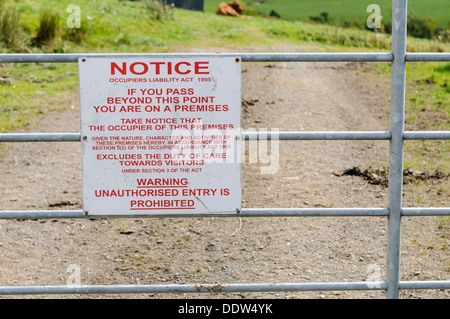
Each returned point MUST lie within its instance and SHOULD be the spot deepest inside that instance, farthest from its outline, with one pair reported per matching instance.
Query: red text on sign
(157, 68)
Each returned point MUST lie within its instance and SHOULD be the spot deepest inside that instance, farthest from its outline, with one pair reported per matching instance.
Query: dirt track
(297, 96)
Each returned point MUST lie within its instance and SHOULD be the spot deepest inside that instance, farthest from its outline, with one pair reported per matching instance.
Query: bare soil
(284, 96)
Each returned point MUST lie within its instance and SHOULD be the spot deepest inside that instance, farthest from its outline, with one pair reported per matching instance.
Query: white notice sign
(160, 135)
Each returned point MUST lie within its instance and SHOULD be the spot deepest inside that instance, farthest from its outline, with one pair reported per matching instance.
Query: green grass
(35, 89)
(124, 26)
(342, 10)
(427, 108)
(428, 92)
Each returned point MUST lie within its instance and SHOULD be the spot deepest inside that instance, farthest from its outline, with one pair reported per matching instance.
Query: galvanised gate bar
(396, 137)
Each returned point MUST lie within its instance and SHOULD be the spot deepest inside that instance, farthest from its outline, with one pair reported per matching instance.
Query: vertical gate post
(397, 115)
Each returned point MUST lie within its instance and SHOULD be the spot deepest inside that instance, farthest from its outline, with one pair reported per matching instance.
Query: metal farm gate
(396, 137)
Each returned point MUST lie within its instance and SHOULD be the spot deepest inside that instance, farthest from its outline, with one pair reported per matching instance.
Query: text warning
(160, 136)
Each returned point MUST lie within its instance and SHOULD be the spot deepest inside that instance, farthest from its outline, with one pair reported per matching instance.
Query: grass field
(343, 9)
